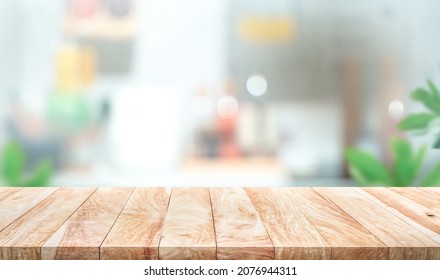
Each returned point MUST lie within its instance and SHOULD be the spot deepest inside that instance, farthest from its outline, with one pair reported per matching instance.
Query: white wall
(181, 42)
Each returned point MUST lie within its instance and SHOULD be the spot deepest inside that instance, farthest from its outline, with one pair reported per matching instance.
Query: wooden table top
(220, 223)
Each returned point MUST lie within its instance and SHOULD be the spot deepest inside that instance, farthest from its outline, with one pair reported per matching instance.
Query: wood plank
(428, 232)
(16, 204)
(433, 189)
(291, 232)
(136, 233)
(422, 196)
(251, 223)
(348, 238)
(23, 238)
(403, 240)
(239, 230)
(416, 204)
(6, 191)
(80, 237)
(188, 232)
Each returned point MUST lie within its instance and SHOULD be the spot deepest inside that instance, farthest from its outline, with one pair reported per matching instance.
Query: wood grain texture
(19, 202)
(422, 196)
(6, 191)
(136, 233)
(413, 203)
(188, 232)
(222, 223)
(292, 234)
(433, 190)
(403, 240)
(428, 232)
(23, 238)
(239, 230)
(348, 238)
(80, 237)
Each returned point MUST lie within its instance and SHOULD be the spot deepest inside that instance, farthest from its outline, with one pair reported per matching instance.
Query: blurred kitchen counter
(246, 164)
(194, 172)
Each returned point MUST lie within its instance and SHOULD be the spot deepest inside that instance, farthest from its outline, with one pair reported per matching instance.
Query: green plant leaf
(434, 90)
(433, 177)
(416, 122)
(429, 100)
(406, 164)
(403, 170)
(358, 176)
(12, 165)
(366, 169)
(418, 160)
(437, 143)
(42, 175)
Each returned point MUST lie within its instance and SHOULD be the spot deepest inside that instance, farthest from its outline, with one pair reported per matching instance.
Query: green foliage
(367, 170)
(433, 177)
(428, 99)
(41, 176)
(13, 163)
(69, 112)
(12, 167)
(434, 90)
(424, 122)
(417, 122)
(406, 165)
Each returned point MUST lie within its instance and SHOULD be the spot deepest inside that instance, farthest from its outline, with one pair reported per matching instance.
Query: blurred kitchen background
(210, 93)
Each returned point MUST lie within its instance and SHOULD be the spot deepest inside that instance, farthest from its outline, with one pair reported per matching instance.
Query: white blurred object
(257, 128)
(144, 129)
(202, 107)
(256, 85)
(396, 109)
(310, 139)
(270, 128)
(247, 128)
(33, 100)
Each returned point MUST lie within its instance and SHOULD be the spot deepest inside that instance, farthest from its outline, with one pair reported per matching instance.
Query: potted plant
(367, 170)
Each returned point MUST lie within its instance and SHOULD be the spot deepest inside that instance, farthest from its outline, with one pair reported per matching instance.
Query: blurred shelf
(101, 26)
(239, 163)
(191, 172)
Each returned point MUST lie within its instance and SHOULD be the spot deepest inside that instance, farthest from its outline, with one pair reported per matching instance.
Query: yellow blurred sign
(261, 29)
(76, 67)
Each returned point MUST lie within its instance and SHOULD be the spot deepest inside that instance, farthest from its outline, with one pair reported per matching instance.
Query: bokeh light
(256, 85)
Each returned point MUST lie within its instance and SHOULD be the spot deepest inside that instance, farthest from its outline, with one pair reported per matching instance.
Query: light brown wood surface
(348, 238)
(188, 232)
(83, 233)
(433, 190)
(428, 232)
(24, 237)
(136, 233)
(17, 203)
(421, 196)
(403, 240)
(219, 223)
(292, 234)
(413, 203)
(239, 230)
(4, 192)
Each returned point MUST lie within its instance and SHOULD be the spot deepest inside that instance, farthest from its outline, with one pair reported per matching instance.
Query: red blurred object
(84, 8)
(228, 147)
(227, 123)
